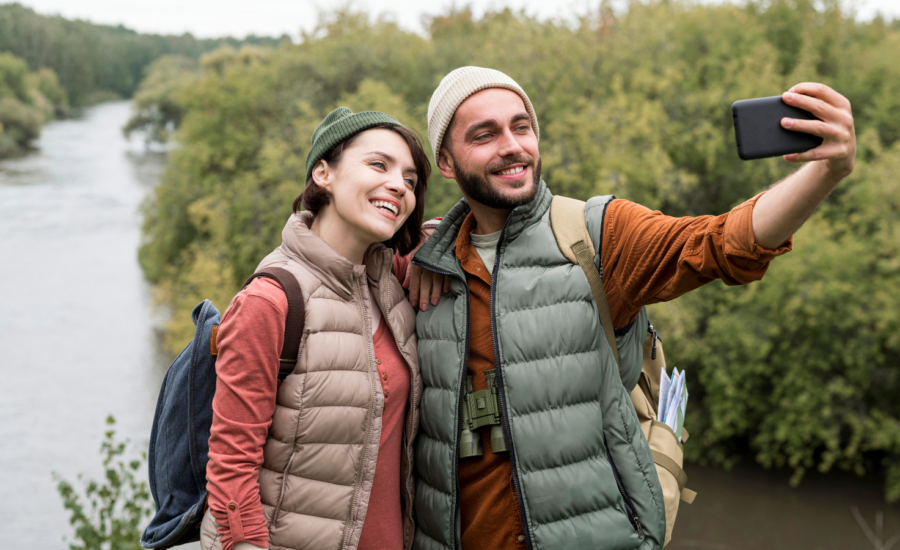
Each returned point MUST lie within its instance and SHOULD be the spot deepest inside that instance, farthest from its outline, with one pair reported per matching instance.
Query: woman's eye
(379, 164)
(411, 182)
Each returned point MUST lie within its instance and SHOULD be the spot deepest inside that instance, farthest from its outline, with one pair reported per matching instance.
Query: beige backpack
(574, 241)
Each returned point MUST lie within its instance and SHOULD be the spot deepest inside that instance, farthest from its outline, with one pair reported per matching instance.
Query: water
(79, 340)
(750, 508)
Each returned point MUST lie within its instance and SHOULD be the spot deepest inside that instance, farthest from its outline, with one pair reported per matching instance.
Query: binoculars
(481, 408)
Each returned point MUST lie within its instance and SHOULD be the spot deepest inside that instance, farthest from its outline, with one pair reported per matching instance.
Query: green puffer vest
(566, 406)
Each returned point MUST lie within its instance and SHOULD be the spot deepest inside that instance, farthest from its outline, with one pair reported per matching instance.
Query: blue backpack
(179, 439)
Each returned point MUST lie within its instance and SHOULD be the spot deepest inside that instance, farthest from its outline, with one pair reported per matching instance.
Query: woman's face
(372, 185)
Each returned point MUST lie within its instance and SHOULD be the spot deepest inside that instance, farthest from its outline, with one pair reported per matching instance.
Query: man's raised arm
(784, 208)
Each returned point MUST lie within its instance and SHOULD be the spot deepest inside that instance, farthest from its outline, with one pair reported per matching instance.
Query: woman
(323, 460)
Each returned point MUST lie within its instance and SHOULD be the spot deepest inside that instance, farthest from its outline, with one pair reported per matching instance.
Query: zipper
(517, 485)
(629, 506)
(369, 422)
(462, 390)
(385, 280)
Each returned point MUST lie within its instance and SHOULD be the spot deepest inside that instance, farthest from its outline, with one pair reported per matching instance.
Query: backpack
(179, 438)
(574, 241)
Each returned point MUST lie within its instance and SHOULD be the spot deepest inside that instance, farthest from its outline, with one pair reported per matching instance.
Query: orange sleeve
(648, 257)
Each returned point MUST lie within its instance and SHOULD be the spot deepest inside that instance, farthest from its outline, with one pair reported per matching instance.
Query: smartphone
(757, 128)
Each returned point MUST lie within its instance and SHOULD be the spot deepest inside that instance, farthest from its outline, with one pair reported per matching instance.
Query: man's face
(491, 150)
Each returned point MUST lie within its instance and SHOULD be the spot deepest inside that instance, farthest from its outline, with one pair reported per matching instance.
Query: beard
(478, 187)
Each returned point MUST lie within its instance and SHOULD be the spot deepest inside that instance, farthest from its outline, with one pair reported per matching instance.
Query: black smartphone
(757, 128)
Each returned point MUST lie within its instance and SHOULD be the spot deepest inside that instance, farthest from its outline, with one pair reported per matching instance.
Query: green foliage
(107, 514)
(47, 84)
(157, 113)
(27, 101)
(95, 62)
(799, 369)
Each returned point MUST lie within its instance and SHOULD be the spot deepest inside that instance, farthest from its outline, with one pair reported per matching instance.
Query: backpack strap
(293, 326)
(574, 241)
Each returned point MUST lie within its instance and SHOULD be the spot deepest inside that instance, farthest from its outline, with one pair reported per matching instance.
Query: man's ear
(445, 164)
(321, 174)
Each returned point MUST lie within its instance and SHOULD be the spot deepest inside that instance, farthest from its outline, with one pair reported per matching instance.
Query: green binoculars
(481, 408)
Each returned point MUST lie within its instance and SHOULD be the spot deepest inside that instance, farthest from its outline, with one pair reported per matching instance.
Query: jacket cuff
(231, 527)
(738, 237)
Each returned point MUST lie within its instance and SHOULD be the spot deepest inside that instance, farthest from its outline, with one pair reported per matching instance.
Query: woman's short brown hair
(314, 198)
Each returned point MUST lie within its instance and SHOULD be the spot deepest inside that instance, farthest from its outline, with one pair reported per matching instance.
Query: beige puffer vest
(319, 458)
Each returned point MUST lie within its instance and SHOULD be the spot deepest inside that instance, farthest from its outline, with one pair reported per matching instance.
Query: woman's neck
(344, 240)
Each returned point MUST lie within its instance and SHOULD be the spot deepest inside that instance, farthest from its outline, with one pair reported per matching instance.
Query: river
(79, 339)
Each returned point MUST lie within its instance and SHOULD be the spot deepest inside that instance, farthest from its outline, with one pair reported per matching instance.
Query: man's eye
(482, 137)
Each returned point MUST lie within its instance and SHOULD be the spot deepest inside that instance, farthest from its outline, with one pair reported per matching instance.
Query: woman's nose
(396, 185)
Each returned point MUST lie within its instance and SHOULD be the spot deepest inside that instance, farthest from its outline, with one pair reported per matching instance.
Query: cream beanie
(459, 85)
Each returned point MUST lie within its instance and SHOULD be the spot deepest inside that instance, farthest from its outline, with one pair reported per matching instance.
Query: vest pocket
(630, 510)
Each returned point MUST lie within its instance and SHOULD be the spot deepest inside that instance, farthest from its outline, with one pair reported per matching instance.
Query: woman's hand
(424, 284)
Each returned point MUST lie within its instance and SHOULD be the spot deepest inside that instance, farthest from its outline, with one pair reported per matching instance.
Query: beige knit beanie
(459, 85)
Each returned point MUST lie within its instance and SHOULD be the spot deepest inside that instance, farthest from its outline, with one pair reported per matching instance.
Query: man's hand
(835, 127)
(780, 211)
(424, 283)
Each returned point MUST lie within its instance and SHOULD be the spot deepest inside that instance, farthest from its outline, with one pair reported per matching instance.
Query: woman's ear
(321, 174)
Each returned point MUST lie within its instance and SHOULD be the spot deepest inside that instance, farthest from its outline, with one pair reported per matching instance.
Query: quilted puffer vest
(581, 467)
(319, 458)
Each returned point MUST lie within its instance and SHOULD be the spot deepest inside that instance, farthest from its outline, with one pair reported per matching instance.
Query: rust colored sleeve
(250, 339)
(649, 258)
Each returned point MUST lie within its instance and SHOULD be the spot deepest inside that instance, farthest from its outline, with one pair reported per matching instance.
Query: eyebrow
(392, 160)
(475, 128)
(521, 116)
(478, 126)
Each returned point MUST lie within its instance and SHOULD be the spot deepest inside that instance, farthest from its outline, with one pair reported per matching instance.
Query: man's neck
(488, 220)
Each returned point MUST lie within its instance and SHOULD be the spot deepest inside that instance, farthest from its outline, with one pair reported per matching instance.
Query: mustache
(507, 162)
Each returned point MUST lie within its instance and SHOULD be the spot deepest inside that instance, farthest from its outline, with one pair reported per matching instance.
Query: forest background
(50, 65)
(799, 370)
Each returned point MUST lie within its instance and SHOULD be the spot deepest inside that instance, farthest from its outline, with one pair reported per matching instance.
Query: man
(578, 472)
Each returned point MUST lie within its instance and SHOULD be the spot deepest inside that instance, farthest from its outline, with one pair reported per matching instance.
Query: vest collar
(336, 272)
(440, 252)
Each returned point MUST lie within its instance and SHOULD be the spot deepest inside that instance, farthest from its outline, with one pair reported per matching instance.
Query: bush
(27, 101)
(108, 514)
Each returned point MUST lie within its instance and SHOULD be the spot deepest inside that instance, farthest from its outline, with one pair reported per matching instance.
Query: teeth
(387, 206)
(512, 171)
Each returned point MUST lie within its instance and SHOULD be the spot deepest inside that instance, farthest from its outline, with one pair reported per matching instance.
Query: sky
(238, 18)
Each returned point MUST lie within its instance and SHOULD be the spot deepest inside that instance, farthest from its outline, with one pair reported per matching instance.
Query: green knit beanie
(339, 125)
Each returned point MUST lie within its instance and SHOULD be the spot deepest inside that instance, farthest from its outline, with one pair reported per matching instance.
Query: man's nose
(509, 145)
